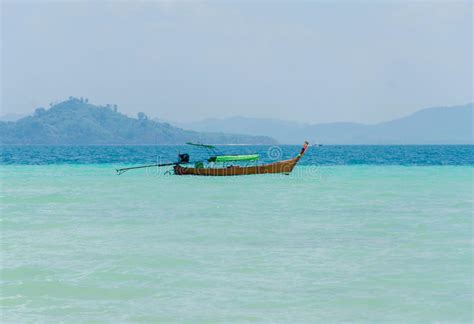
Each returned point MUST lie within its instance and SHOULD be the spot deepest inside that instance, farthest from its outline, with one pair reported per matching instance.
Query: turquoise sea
(355, 234)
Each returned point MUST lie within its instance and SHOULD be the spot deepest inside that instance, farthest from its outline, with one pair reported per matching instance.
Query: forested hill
(77, 122)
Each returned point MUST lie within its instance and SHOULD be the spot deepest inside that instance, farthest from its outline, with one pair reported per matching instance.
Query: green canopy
(228, 158)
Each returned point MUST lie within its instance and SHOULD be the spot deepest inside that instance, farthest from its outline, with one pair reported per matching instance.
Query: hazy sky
(318, 61)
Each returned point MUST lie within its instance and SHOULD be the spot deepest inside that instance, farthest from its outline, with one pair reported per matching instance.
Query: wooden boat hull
(285, 166)
(278, 167)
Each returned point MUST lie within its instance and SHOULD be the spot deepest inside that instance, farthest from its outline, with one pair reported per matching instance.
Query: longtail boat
(200, 169)
(285, 166)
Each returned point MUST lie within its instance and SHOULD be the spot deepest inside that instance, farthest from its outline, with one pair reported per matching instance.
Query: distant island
(78, 122)
(439, 125)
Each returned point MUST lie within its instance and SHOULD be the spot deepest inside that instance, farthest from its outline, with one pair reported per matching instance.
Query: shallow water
(327, 243)
(354, 234)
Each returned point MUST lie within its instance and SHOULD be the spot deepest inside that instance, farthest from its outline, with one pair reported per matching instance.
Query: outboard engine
(183, 158)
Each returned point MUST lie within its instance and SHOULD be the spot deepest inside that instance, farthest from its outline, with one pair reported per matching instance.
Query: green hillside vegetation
(77, 122)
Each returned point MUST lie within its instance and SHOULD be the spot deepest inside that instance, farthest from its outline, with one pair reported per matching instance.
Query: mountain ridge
(436, 125)
(77, 122)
